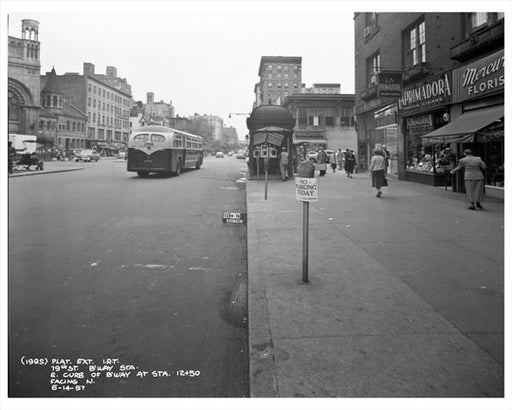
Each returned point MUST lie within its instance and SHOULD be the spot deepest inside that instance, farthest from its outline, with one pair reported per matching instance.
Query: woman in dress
(474, 169)
(378, 172)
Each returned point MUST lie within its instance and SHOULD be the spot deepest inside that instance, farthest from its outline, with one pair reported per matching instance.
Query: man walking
(283, 164)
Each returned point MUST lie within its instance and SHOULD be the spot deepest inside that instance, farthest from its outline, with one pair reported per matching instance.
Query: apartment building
(279, 78)
(107, 105)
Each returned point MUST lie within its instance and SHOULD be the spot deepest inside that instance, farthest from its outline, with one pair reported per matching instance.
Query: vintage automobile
(86, 155)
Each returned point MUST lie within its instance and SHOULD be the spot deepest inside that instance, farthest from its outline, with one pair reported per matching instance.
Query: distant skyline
(203, 55)
(205, 62)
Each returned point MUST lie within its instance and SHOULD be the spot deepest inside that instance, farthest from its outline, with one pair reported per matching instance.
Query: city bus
(163, 150)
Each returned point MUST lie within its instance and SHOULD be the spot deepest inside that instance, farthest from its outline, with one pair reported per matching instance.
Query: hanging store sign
(431, 93)
(480, 78)
(389, 84)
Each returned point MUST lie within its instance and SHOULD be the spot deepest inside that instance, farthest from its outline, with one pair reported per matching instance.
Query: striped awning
(268, 137)
(464, 128)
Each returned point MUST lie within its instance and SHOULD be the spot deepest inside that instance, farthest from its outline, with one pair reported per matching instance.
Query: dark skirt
(379, 179)
(349, 165)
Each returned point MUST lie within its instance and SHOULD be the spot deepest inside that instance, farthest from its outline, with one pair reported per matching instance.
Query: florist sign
(431, 93)
(480, 78)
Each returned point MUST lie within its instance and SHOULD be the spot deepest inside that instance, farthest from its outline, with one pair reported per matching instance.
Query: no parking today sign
(306, 189)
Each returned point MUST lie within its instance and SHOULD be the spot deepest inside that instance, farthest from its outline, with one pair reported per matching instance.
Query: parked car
(86, 155)
(312, 154)
(219, 155)
(240, 155)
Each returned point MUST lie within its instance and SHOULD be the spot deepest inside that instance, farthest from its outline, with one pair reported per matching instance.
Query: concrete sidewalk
(56, 166)
(405, 295)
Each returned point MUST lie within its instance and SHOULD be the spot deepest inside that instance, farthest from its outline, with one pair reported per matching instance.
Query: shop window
(416, 49)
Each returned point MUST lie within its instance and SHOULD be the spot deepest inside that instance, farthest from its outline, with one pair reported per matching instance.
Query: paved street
(106, 265)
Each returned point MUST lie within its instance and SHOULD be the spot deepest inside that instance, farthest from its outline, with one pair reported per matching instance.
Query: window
(370, 19)
(68, 125)
(89, 102)
(314, 120)
(372, 68)
(477, 19)
(157, 138)
(141, 138)
(416, 50)
(303, 121)
(329, 121)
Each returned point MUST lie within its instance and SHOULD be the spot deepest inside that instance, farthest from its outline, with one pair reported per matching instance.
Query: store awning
(303, 140)
(463, 129)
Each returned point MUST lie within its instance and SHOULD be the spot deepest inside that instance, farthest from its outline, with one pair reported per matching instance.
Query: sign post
(306, 190)
(265, 162)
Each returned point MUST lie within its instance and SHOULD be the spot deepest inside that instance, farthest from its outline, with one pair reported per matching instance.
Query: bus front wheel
(142, 173)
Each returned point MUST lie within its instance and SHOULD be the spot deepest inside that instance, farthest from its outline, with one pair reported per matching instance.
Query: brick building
(106, 101)
(279, 77)
(409, 70)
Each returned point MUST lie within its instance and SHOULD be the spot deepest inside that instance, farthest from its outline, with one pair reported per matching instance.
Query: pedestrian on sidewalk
(386, 155)
(283, 163)
(350, 162)
(474, 169)
(332, 160)
(339, 158)
(321, 160)
(378, 171)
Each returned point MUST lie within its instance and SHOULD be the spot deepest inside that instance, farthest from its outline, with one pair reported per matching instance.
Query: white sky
(202, 55)
(205, 61)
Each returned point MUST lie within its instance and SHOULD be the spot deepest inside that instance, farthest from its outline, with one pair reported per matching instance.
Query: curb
(29, 173)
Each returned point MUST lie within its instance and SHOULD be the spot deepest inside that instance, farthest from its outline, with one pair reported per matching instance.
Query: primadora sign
(306, 189)
(433, 92)
(479, 78)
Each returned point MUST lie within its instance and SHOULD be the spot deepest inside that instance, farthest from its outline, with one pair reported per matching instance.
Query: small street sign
(306, 189)
(234, 217)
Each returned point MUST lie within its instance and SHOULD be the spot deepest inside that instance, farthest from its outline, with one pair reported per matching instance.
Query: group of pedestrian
(473, 166)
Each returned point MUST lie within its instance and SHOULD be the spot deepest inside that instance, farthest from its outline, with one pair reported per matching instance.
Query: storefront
(423, 108)
(307, 141)
(477, 116)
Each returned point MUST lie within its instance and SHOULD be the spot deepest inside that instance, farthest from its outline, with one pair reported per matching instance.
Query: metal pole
(305, 239)
(266, 183)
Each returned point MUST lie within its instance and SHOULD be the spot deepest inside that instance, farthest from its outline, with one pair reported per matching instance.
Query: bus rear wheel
(142, 174)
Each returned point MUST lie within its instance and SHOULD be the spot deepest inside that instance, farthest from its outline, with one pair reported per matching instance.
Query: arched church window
(14, 107)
